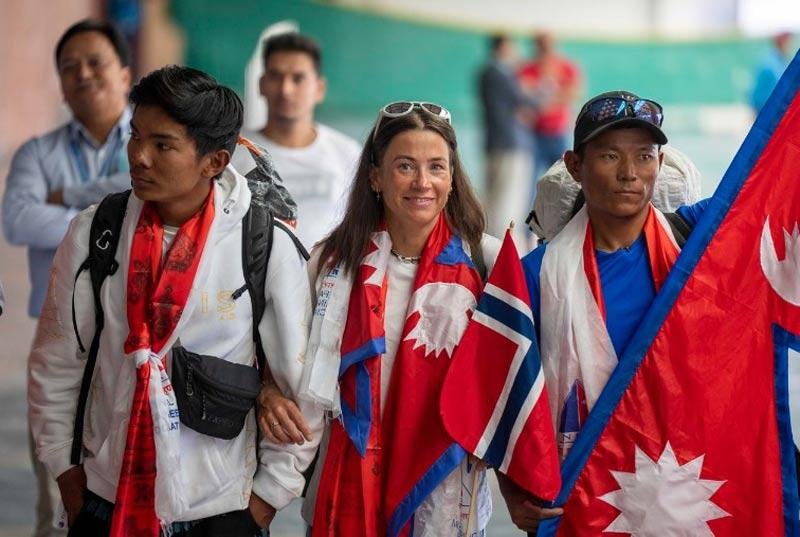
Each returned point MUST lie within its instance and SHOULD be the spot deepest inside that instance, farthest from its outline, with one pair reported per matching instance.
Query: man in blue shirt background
(54, 176)
(770, 69)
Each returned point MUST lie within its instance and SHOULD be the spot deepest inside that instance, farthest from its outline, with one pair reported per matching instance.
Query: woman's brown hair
(347, 243)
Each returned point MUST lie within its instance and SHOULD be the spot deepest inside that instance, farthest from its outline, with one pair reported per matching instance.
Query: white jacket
(218, 474)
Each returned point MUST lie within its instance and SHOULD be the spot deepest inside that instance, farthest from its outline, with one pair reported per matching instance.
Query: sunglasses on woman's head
(402, 108)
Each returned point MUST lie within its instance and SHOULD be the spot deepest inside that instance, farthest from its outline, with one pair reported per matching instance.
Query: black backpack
(258, 226)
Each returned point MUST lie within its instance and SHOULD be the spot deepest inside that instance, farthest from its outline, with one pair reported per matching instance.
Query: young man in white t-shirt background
(315, 161)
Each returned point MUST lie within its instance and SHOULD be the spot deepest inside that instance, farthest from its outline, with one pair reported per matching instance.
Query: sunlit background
(696, 57)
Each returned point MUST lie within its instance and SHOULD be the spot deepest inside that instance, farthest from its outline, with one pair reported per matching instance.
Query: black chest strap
(101, 263)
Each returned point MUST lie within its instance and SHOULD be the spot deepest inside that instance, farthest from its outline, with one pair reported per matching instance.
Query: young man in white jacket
(141, 466)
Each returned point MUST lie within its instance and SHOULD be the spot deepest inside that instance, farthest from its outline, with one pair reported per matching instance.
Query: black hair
(211, 113)
(106, 28)
(293, 42)
(496, 41)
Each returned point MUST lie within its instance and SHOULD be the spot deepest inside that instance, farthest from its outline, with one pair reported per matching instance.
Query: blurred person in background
(509, 165)
(558, 81)
(54, 176)
(770, 69)
(315, 161)
(2, 298)
(394, 284)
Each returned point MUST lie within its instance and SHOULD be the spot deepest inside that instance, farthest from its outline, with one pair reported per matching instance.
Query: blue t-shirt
(625, 280)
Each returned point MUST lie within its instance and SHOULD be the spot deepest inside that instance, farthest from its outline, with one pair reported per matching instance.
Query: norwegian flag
(691, 435)
(494, 402)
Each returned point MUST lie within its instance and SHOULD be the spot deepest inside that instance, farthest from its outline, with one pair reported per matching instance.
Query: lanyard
(79, 158)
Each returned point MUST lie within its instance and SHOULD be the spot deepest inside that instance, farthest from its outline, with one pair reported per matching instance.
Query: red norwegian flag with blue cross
(691, 435)
(494, 401)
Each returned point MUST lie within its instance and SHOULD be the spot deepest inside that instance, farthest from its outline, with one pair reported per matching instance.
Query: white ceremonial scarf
(575, 344)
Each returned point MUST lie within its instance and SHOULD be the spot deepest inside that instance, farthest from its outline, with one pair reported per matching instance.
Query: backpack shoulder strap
(257, 231)
(299, 245)
(580, 200)
(679, 226)
(103, 240)
(258, 227)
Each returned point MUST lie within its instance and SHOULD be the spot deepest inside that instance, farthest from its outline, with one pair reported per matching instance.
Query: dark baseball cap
(618, 108)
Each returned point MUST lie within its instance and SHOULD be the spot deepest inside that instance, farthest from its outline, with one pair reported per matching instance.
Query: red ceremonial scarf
(156, 295)
(371, 482)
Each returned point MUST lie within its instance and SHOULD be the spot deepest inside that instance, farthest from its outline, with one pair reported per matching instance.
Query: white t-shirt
(317, 176)
(448, 504)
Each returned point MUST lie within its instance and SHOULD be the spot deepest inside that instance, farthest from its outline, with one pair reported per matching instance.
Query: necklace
(406, 258)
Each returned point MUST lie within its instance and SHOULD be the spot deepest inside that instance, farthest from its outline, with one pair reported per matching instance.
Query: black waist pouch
(214, 396)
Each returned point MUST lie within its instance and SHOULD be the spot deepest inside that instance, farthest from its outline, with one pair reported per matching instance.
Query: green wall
(371, 59)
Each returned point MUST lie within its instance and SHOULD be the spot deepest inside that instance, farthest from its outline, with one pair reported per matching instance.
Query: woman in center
(395, 284)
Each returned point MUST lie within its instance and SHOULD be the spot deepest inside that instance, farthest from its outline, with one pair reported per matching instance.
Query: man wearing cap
(592, 284)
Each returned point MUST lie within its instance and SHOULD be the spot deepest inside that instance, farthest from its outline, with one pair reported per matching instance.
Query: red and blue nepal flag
(691, 435)
(494, 401)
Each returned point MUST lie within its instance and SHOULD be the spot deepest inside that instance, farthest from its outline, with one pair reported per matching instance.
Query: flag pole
(473, 495)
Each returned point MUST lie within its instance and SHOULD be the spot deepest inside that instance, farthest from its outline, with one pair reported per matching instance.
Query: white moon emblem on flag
(663, 498)
(783, 276)
(444, 310)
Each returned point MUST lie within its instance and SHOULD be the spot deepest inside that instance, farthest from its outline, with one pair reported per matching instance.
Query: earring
(378, 195)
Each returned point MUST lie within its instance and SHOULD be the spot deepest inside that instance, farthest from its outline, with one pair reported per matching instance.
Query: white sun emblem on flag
(444, 310)
(664, 499)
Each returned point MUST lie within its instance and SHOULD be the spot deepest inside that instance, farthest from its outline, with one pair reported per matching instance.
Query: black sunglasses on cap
(618, 108)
